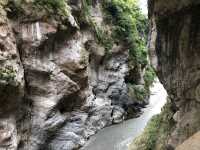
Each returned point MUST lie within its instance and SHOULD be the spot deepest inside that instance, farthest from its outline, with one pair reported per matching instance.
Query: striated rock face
(57, 85)
(192, 143)
(174, 48)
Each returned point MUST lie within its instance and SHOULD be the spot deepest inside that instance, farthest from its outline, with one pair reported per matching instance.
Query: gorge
(70, 68)
(118, 137)
(174, 49)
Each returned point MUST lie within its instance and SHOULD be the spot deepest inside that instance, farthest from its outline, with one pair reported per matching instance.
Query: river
(118, 137)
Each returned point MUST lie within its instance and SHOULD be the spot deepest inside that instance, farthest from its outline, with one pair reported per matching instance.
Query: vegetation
(39, 7)
(53, 6)
(137, 92)
(156, 132)
(102, 35)
(127, 26)
(130, 26)
(149, 76)
(85, 17)
(7, 74)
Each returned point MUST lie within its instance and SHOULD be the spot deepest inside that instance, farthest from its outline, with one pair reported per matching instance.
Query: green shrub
(137, 92)
(18, 8)
(149, 76)
(102, 36)
(130, 26)
(85, 17)
(53, 6)
(7, 74)
(89, 2)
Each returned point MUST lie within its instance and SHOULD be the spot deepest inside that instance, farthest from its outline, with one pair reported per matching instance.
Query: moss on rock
(3, 14)
(38, 9)
(129, 26)
(138, 92)
(149, 76)
(7, 74)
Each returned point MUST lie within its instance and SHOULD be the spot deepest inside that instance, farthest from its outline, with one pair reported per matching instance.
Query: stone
(118, 115)
(174, 49)
(191, 144)
(57, 85)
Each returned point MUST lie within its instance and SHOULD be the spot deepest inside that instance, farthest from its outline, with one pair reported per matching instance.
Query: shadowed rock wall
(175, 52)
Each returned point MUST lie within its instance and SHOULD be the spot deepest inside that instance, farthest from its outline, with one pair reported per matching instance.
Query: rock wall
(174, 49)
(57, 86)
(192, 143)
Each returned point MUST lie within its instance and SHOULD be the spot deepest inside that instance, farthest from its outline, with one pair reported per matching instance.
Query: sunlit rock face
(174, 44)
(57, 87)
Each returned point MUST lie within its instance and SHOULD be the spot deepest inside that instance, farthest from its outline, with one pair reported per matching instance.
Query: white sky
(143, 6)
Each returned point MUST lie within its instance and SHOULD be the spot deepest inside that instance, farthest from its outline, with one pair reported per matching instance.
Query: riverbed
(118, 137)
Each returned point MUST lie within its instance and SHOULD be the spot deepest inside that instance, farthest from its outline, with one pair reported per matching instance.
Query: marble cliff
(58, 85)
(174, 49)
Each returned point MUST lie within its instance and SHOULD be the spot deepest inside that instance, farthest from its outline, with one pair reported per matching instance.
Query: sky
(143, 6)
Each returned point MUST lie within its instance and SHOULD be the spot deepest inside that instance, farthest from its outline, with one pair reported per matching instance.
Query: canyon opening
(99, 75)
